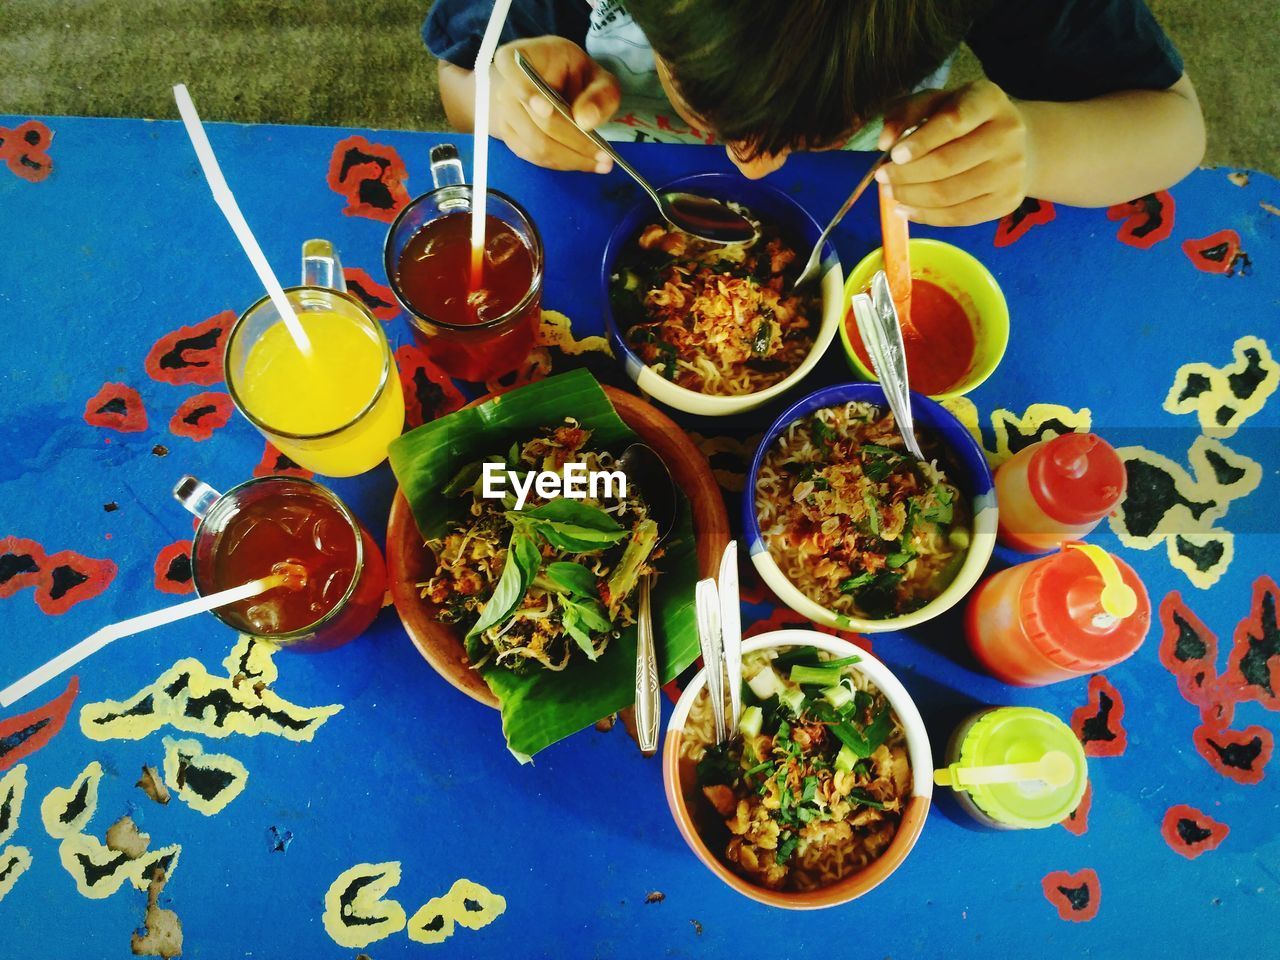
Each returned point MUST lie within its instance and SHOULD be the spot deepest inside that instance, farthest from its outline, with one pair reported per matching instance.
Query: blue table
(113, 242)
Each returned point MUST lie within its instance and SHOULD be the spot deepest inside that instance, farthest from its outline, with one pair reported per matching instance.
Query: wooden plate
(409, 562)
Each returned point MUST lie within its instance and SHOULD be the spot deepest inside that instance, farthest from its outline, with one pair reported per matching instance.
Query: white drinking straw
(480, 169)
(126, 628)
(231, 210)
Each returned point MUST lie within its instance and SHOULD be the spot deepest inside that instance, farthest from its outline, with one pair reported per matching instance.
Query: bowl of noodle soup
(716, 330)
(840, 836)
(852, 532)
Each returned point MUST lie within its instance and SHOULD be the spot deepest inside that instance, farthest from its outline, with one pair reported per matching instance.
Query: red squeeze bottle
(1076, 612)
(1057, 490)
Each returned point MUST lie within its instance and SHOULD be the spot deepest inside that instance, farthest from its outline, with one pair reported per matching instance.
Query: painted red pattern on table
(1030, 213)
(22, 564)
(197, 417)
(1239, 755)
(191, 354)
(1098, 723)
(1077, 821)
(370, 176)
(1189, 832)
(173, 568)
(378, 297)
(116, 406)
(25, 733)
(61, 580)
(1077, 896)
(70, 578)
(1253, 667)
(25, 150)
(276, 464)
(1189, 650)
(1218, 253)
(1147, 220)
(428, 391)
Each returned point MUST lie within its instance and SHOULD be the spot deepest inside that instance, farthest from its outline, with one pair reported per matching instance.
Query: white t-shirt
(617, 43)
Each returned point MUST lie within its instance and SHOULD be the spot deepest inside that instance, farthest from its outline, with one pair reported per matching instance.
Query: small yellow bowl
(965, 278)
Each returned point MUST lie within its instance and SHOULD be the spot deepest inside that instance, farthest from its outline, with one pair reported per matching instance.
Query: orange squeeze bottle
(1066, 615)
(895, 235)
(1057, 490)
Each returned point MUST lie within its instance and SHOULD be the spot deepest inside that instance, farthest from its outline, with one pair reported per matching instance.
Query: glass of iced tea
(285, 524)
(472, 334)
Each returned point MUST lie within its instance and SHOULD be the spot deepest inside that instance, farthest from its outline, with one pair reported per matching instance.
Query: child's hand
(529, 125)
(969, 163)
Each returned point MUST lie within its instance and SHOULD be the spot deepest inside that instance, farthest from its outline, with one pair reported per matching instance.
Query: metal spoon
(877, 320)
(813, 266)
(648, 473)
(703, 217)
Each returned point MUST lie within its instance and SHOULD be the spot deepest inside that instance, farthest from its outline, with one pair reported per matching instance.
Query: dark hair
(775, 74)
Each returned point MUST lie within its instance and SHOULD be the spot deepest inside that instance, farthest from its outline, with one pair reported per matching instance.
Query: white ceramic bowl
(913, 815)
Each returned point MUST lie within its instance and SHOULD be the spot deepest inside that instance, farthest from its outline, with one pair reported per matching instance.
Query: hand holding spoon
(702, 217)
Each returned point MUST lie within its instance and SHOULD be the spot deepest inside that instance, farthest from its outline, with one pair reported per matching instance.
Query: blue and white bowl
(974, 479)
(769, 204)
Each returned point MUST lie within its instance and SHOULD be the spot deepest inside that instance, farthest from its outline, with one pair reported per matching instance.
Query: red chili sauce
(938, 339)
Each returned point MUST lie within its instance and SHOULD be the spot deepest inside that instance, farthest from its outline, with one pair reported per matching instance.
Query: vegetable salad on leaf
(537, 586)
(541, 706)
(813, 786)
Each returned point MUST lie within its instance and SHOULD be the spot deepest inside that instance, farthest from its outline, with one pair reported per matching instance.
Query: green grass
(362, 63)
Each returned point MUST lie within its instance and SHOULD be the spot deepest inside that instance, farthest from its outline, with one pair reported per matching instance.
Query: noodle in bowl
(721, 383)
(930, 566)
(827, 875)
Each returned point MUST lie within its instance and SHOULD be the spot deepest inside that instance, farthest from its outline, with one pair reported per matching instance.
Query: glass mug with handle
(334, 408)
(477, 333)
(335, 575)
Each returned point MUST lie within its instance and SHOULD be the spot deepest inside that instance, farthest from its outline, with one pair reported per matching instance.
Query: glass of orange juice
(335, 407)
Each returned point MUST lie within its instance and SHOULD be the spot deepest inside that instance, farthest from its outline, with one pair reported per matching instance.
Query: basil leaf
(900, 559)
(590, 613)
(575, 512)
(572, 578)
(575, 539)
(523, 561)
(573, 626)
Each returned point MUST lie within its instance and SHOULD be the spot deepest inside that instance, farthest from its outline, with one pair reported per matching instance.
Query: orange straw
(897, 256)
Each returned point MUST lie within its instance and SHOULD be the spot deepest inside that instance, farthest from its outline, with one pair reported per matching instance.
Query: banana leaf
(544, 707)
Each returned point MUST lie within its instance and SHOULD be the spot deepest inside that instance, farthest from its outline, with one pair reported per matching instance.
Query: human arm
(982, 152)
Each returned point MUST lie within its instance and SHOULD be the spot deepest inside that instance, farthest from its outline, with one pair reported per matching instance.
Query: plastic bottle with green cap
(1015, 768)
(1066, 615)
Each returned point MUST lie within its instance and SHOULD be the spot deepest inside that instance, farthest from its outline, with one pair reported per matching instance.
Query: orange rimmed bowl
(682, 791)
(409, 562)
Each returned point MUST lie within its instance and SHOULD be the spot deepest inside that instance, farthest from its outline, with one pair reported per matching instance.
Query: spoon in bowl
(877, 320)
(813, 266)
(648, 472)
(702, 217)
